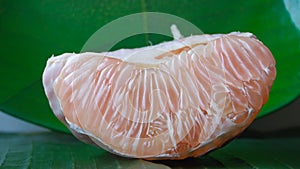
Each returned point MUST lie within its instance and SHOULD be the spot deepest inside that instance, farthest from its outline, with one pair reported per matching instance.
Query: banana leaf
(31, 31)
(57, 150)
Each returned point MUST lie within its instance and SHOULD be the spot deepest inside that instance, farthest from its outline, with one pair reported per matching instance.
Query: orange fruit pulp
(173, 100)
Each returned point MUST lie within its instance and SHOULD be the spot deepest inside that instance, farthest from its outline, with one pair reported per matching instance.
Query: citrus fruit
(173, 100)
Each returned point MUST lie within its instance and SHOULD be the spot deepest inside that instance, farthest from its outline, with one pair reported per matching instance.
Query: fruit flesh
(173, 100)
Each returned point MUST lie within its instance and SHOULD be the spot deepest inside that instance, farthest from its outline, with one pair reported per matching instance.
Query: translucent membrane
(169, 101)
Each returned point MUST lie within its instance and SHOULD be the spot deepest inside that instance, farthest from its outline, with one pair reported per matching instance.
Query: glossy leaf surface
(31, 31)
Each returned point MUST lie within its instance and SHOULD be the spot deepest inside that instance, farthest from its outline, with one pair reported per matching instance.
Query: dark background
(285, 119)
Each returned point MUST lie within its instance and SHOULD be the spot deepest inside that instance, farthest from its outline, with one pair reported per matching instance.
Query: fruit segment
(173, 100)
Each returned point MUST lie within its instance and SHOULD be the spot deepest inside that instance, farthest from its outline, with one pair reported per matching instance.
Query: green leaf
(32, 30)
(56, 150)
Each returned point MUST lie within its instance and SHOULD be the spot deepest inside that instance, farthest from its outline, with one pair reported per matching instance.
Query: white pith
(147, 55)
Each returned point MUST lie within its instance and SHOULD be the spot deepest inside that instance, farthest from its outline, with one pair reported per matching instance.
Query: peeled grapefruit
(168, 101)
